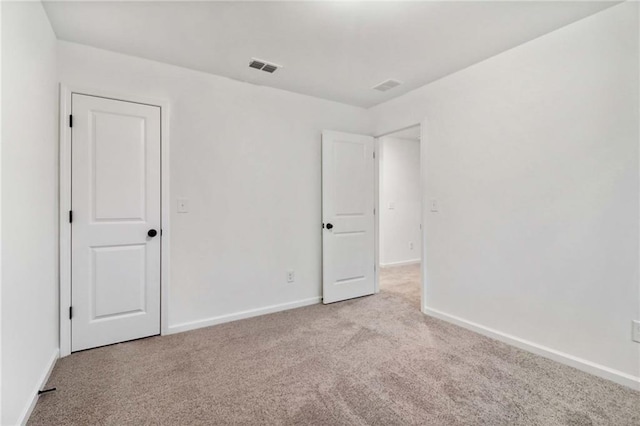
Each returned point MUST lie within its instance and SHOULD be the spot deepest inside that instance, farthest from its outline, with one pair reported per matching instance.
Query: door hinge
(70, 312)
(70, 120)
(70, 216)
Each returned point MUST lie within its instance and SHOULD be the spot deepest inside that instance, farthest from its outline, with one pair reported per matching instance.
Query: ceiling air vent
(269, 68)
(256, 64)
(265, 66)
(386, 85)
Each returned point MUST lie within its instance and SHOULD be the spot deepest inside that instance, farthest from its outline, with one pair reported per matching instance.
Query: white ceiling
(332, 50)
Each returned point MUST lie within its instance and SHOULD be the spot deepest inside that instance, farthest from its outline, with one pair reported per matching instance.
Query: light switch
(392, 205)
(434, 205)
(183, 205)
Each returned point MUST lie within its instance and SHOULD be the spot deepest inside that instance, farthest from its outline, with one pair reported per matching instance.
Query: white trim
(638, 93)
(64, 226)
(44, 378)
(423, 212)
(376, 217)
(65, 205)
(186, 326)
(165, 206)
(561, 357)
(1, 395)
(400, 263)
(397, 131)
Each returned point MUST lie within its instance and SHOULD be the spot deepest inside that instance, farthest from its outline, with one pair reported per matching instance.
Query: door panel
(347, 208)
(115, 187)
(349, 170)
(119, 173)
(118, 286)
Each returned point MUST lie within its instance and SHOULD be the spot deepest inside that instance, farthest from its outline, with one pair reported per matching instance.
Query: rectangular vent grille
(269, 68)
(265, 66)
(386, 85)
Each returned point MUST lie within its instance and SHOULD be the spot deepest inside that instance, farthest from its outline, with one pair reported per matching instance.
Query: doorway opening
(400, 214)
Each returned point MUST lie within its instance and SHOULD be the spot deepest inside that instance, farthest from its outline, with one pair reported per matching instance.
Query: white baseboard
(400, 263)
(581, 364)
(26, 413)
(186, 326)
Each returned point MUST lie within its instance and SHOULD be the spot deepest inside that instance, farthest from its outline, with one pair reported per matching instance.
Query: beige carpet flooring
(375, 360)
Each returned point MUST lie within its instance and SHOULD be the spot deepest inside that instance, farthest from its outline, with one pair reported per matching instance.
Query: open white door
(115, 242)
(348, 240)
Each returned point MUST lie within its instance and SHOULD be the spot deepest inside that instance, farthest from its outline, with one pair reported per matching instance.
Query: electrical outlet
(635, 325)
(410, 245)
(291, 276)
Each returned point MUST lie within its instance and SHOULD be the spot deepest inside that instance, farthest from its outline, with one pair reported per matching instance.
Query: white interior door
(348, 240)
(115, 190)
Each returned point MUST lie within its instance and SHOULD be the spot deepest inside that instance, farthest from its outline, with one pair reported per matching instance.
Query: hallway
(403, 281)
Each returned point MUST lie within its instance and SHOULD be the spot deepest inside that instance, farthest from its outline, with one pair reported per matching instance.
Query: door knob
(152, 233)
(329, 226)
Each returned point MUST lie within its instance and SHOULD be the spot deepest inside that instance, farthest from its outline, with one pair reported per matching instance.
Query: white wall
(533, 158)
(400, 235)
(1, 214)
(248, 160)
(29, 205)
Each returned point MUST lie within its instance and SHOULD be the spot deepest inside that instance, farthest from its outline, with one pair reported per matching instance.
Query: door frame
(66, 91)
(423, 205)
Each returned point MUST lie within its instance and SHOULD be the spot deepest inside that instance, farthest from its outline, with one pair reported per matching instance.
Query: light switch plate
(636, 330)
(183, 205)
(434, 205)
(392, 205)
